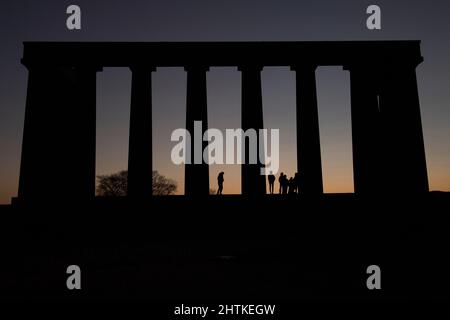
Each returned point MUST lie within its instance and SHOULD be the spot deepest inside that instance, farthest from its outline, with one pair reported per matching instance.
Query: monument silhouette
(388, 146)
(278, 247)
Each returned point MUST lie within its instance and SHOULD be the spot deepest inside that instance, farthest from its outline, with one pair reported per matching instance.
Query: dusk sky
(186, 20)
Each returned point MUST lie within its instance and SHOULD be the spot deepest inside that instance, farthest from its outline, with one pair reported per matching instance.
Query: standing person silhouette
(220, 181)
(284, 184)
(291, 185)
(280, 181)
(297, 182)
(271, 179)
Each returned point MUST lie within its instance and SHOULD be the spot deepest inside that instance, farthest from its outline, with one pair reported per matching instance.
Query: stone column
(196, 181)
(33, 134)
(367, 138)
(400, 110)
(58, 148)
(252, 181)
(140, 144)
(85, 141)
(309, 163)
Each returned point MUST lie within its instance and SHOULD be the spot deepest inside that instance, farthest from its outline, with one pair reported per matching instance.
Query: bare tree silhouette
(115, 185)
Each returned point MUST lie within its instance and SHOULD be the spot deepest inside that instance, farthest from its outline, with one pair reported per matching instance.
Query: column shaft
(84, 137)
(309, 163)
(34, 134)
(400, 109)
(58, 149)
(367, 140)
(253, 182)
(140, 162)
(197, 172)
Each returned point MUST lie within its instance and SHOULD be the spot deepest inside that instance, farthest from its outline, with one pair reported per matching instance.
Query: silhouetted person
(297, 182)
(291, 186)
(220, 181)
(280, 181)
(284, 184)
(271, 179)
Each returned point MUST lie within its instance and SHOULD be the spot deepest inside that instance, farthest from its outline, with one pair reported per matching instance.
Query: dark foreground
(179, 249)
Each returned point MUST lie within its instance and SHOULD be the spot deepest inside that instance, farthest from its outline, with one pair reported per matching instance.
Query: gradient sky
(185, 20)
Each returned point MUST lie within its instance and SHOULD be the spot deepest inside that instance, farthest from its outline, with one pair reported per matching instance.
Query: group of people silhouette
(287, 186)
